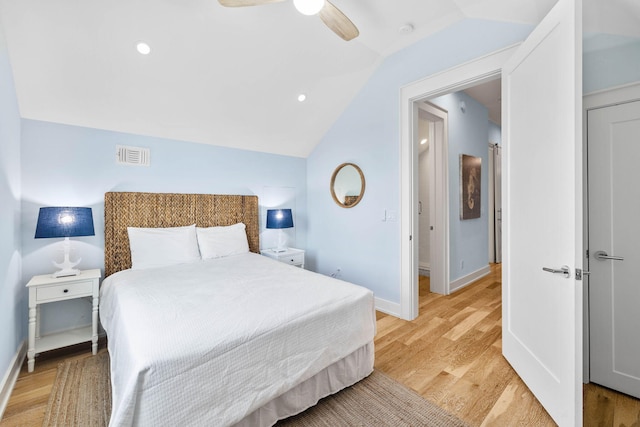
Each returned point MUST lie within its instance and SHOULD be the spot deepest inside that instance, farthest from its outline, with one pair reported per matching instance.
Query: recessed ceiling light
(302, 97)
(143, 48)
(424, 141)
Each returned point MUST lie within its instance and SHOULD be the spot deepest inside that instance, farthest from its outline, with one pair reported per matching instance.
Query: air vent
(135, 156)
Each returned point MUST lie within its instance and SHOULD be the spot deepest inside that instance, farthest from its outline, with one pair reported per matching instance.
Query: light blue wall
(13, 302)
(610, 61)
(366, 248)
(74, 166)
(468, 134)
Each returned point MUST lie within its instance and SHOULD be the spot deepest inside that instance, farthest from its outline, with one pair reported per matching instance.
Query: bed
(233, 340)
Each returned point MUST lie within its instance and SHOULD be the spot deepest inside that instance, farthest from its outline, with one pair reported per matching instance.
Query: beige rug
(81, 396)
(81, 393)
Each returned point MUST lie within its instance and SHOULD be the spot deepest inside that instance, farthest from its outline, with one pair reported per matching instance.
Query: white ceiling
(226, 76)
(489, 94)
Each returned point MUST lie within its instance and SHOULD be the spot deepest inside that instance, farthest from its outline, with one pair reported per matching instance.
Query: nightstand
(44, 289)
(291, 256)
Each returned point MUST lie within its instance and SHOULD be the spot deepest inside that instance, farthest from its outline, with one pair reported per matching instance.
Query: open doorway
(489, 94)
(473, 119)
(482, 70)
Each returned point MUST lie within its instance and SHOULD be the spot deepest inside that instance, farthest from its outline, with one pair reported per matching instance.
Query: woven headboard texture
(128, 209)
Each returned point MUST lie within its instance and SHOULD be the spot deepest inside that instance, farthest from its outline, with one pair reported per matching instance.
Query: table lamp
(65, 222)
(279, 219)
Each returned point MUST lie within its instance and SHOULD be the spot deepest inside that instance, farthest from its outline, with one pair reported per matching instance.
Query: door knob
(564, 270)
(602, 255)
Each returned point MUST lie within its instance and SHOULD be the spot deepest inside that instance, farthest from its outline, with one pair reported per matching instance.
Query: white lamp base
(66, 267)
(282, 241)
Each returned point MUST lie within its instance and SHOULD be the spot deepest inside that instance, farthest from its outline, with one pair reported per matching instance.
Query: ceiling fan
(330, 15)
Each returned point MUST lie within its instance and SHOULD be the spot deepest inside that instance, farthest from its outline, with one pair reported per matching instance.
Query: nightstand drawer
(292, 259)
(66, 290)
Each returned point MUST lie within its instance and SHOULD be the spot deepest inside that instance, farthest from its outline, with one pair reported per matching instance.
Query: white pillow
(157, 247)
(216, 242)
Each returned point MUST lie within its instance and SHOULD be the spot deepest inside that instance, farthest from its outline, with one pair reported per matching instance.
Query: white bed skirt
(330, 380)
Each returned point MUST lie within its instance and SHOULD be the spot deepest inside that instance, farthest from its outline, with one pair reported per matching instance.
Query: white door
(542, 212)
(614, 253)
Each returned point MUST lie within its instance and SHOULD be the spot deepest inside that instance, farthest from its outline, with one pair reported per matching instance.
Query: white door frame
(438, 195)
(478, 71)
(600, 99)
(492, 202)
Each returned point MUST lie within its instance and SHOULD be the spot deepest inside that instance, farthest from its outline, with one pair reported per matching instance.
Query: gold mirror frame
(353, 200)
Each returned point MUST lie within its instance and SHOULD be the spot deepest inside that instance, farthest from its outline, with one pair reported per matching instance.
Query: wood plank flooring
(451, 354)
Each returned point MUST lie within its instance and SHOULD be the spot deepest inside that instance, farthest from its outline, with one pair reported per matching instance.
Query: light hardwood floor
(450, 354)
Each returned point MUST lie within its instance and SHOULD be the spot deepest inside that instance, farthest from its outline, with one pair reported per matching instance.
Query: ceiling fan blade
(338, 22)
(242, 3)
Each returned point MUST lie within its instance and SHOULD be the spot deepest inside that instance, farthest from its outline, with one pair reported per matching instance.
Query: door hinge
(410, 237)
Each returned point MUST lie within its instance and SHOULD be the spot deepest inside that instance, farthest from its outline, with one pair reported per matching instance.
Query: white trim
(425, 266)
(438, 198)
(594, 100)
(612, 96)
(424, 269)
(387, 307)
(11, 376)
(460, 283)
(480, 70)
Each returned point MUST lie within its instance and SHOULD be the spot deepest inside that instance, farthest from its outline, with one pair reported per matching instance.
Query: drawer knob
(65, 291)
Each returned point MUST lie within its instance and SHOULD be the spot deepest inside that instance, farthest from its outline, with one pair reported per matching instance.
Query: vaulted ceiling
(227, 76)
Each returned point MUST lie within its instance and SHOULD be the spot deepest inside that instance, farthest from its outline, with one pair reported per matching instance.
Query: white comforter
(208, 343)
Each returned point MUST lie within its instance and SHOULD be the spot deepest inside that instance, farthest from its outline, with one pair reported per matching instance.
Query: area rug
(81, 393)
(81, 396)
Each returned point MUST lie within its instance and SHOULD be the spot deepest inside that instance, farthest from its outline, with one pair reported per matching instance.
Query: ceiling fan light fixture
(308, 7)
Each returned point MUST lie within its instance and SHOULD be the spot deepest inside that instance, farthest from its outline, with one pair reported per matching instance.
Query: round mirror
(347, 185)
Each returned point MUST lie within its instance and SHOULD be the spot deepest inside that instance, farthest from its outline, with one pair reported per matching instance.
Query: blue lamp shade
(64, 222)
(279, 218)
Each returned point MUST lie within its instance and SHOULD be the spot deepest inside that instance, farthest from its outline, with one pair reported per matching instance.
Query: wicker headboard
(122, 210)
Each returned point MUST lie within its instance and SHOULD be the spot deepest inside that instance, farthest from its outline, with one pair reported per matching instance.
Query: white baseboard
(387, 307)
(424, 269)
(10, 377)
(468, 279)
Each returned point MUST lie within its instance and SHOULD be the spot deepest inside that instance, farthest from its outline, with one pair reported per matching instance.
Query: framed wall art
(470, 167)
